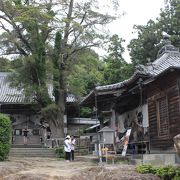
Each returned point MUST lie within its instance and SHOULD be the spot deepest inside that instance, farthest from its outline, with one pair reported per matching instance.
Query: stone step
(26, 146)
(32, 152)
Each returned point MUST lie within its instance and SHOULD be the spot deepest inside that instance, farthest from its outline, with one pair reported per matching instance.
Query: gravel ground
(53, 169)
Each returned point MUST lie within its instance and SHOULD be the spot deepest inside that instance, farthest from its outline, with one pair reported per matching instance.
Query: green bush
(165, 173)
(145, 169)
(5, 136)
(60, 152)
(177, 176)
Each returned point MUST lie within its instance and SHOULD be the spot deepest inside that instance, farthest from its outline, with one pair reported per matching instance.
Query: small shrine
(106, 136)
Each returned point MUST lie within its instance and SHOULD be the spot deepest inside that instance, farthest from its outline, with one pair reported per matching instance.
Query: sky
(136, 12)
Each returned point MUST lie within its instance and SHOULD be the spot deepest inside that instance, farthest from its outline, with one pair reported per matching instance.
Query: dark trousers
(68, 155)
(72, 155)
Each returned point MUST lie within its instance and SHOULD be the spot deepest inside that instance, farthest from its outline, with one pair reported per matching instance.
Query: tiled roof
(167, 60)
(14, 95)
(141, 70)
(111, 86)
(169, 57)
(10, 95)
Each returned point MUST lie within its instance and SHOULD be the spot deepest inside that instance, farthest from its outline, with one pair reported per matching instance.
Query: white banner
(126, 141)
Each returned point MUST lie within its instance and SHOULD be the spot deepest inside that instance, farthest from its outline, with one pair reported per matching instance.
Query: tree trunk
(56, 131)
(61, 111)
(61, 60)
(61, 101)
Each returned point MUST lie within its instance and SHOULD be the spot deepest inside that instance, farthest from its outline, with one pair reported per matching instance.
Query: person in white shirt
(25, 134)
(67, 147)
(73, 143)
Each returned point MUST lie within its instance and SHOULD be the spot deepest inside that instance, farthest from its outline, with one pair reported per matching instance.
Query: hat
(68, 137)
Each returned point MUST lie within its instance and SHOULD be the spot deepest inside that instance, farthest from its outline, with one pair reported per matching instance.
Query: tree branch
(9, 20)
(84, 47)
(67, 26)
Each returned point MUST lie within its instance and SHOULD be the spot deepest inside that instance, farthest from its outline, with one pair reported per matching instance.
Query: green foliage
(26, 77)
(85, 73)
(144, 169)
(7, 65)
(115, 48)
(85, 112)
(115, 72)
(5, 136)
(177, 174)
(57, 65)
(27, 37)
(166, 172)
(145, 48)
(50, 111)
(60, 152)
(4, 65)
(116, 69)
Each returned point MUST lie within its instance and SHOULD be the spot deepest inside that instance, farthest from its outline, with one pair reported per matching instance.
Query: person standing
(25, 134)
(73, 143)
(67, 148)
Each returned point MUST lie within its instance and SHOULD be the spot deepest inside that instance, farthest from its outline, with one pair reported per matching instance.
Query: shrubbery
(5, 136)
(166, 172)
(60, 152)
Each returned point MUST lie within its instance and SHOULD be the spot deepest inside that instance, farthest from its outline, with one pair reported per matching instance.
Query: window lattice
(163, 117)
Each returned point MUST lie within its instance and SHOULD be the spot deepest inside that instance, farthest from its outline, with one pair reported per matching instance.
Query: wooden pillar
(113, 119)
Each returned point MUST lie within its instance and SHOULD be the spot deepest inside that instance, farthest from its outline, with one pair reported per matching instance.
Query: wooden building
(148, 102)
(163, 97)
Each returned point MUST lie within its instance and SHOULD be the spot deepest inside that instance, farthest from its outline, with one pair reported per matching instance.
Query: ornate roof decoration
(168, 47)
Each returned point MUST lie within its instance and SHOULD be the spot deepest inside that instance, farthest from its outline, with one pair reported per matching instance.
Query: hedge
(5, 136)
(164, 172)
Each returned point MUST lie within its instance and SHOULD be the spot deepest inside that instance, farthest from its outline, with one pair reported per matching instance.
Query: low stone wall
(161, 159)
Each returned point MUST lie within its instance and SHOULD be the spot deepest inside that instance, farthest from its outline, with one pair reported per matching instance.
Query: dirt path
(53, 169)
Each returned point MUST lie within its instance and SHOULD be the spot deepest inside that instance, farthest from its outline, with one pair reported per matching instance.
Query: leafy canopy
(145, 48)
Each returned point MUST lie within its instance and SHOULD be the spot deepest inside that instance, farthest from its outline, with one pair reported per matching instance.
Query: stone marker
(177, 143)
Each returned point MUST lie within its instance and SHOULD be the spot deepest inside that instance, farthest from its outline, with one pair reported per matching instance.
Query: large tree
(29, 28)
(26, 29)
(86, 73)
(116, 69)
(145, 47)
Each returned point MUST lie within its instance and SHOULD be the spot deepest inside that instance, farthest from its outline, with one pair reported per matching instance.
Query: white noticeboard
(126, 141)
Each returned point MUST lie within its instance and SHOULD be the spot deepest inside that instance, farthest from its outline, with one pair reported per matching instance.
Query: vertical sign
(126, 141)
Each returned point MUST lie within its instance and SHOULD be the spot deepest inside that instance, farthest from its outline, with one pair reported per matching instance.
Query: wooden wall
(167, 87)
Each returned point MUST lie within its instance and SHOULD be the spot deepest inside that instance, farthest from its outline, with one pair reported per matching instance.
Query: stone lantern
(106, 136)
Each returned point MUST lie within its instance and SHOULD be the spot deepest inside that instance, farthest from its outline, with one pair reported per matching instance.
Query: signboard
(126, 141)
